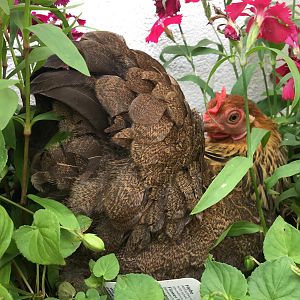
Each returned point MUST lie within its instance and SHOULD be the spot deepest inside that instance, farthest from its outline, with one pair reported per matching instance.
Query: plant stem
(22, 276)
(188, 52)
(27, 127)
(273, 62)
(293, 9)
(44, 280)
(1, 45)
(37, 279)
(252, 175)
(16, 204)
(262, 67)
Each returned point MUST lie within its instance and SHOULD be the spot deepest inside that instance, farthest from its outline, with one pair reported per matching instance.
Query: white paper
(174, 289)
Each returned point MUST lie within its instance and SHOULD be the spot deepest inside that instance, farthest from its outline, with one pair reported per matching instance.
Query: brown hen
(225, 125)
(133, 161)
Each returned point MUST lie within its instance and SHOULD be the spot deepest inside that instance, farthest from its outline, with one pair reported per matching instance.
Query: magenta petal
(288, 92)
(234, 10)
(159, 26)
(167, 8)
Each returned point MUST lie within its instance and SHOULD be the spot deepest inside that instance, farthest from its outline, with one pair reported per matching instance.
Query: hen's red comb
(220, 100)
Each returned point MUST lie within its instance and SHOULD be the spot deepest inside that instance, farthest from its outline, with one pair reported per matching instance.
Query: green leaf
(92, 242)
(274, 280)
(224, 279)
(4, 294)
(8, 103)
(3, 153)
(40, 243)
(64, 215)
(283, 171)
(44, 2)
(48, 116)
(200, 82)
(84, 222)
(54, 38)
(5, 273)
(258, 135)
(282, 239)
(5, 83)
(107, 267)
(206, 50)
(93, 281)
(66, 291)
(69, 243)
(238, 228)
(137, 287)
(4, 6)
(36, 55)
(10, 135)
(232, 173)
(59, 137)
(6, 230)
(238, 88)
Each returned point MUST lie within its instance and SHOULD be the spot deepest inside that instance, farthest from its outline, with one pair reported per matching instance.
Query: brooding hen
(225, 124)
(132, 160)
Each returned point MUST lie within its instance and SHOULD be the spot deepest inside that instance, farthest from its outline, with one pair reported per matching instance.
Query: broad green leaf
(48, 116)
(258, 135)
(224, 279)
(66, 291)
(40, 243)
(10, 135)
(238, 88)
(6, 230)
(54, 38)
(232, 173)
(4, 294)
(274, 280)
(69, 243)
(3, 153)
(92, 242)
(84, 222)
(200, 82)
(93, 281)
(64, 215)
(5, 273)
(4, 6)
(8, 103)
(107, 267)
(238, 228)
(91, 294)
(36, 55)
(137, 287)
(290, 139)
(284, 171)
(287, 194)
(282, 239)
(5, 83)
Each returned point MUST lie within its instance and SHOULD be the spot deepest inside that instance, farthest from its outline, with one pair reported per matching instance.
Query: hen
(225, 125)
(132, 159)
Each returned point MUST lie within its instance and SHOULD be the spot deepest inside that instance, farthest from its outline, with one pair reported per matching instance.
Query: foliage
(37, 235)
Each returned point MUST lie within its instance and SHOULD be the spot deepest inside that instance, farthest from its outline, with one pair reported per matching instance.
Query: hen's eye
(233, 117)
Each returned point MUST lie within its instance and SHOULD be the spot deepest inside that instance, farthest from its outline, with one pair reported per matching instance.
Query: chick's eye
(233, 117)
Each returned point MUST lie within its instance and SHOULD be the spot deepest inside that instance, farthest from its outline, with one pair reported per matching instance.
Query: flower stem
(37, 279)
(16, 204)
(27, 127)
(262, 67)
(273, 62)
(1, 45)
(293, 9)
(252, 175)
(44, 280)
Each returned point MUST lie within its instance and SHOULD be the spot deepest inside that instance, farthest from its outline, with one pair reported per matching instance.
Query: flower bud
(231, 33)
(92, 242)
(249, 263)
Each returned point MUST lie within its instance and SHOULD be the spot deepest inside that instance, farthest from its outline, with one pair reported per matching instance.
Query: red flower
(288, 91)
(271, 19)
(40, 17)
(159, 27)
(61, 2)
(231, 33)
(167, 8)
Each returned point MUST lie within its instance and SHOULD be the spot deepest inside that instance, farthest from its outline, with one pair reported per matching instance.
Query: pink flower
(270, 19)
(159, 27)
(61, 2)
(288, 91)
(231, 33)
(167, 8)
(40, 17)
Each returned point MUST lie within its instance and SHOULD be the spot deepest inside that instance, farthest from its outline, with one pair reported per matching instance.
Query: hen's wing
(133, 159)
